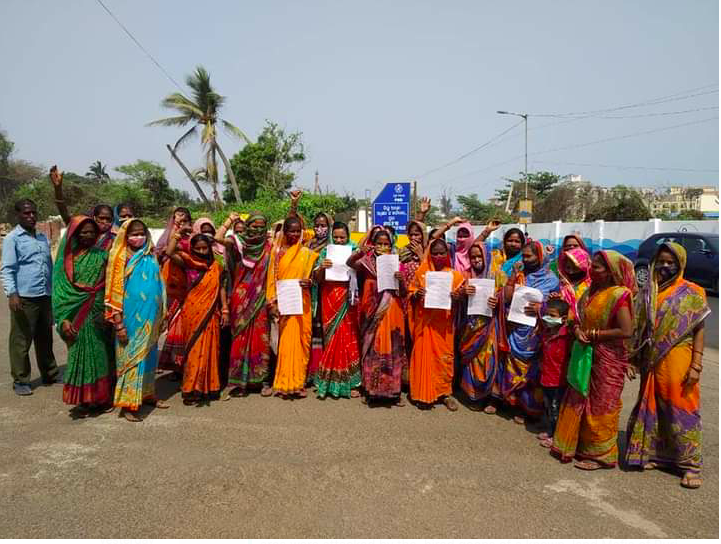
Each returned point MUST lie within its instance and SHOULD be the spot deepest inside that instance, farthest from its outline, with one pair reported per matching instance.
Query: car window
(713, 242)
(692, 244)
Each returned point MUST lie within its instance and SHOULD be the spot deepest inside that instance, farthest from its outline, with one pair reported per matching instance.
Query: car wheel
(641, 275)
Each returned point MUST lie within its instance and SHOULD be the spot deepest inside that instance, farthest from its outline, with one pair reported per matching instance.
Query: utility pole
(414, 198)
(316, 187)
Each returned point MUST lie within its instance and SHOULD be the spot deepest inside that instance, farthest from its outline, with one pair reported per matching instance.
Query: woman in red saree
(573, 269)
(200, 317)
(587, 428)
(664, 429)
(432, 359)
(383, 326)
(249, 318)
(339, 371)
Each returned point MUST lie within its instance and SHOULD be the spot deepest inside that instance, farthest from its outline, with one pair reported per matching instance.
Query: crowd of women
(215, 292)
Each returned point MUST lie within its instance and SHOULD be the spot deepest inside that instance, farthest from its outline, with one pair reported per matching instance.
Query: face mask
(552, 321)
(321, 232)
(439, 262)
(667, 272)
(136, 242)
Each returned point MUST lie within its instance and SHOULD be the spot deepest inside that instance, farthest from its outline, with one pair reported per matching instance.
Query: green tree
(690, 215)
(446, 203)
(97, 172)
(620, 204)
(14, 173)
(203, 113)
(482, 212)
(151, 177)
(266, 166)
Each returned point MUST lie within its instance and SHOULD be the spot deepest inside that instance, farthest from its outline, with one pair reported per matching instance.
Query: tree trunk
(229, 171)
(190, 176)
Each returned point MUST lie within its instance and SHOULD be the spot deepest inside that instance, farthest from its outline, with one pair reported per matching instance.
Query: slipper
(79, 412)
(650, 466)
(130, 416)
(691, 480)
(588, 465)
(161, 405)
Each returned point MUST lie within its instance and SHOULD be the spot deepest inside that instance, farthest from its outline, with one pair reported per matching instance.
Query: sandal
(650, 466)
(546, 442)
(691, 480)
(79, 412)
(587, 465)
(130, 416)
(451, 404)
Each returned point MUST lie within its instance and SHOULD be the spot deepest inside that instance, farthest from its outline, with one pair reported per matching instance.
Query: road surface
(257, 467)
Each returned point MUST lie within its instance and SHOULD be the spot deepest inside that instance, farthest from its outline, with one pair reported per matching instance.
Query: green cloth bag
(578, 375)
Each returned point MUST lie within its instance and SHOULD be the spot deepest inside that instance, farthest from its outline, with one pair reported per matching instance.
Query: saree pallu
(294, 331)
(383, 352)
(201, 328)
(587, 428)
(78, 289)
(143, 308)
(665, 424)
(173, 353)
(250, 325)
(432, 360)
(339, 370)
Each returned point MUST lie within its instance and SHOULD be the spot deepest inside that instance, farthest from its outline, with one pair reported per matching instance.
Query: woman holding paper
(290, 260)
(587, 428)
(339, 371)
(410, 257)
(383, 327)
(200, 317)
(431, 371)
(664, 429)
(520, 380)
(477, 343)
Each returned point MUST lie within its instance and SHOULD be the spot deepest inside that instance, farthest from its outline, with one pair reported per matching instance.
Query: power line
(652, 102)
(624, 167)
(469, 153)
(140, 46)
(657, 114)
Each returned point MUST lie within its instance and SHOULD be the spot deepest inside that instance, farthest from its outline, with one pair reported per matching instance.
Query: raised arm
(492, 226)
(440, 233)
(170, 249)
(294, 198)
(56, 178)
(223, 229)
(423, 209)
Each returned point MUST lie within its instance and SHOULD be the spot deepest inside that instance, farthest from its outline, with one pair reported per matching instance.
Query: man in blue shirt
(26, 275)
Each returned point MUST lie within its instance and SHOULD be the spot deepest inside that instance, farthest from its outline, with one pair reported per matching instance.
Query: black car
(702, 256)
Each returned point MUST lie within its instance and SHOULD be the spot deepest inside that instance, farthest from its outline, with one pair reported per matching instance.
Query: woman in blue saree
(135, 304)
(519, 379)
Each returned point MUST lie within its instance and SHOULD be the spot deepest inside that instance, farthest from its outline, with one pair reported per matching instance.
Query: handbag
(578, 374)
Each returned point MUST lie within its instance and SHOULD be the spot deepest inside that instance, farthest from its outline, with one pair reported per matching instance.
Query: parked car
(702, 252)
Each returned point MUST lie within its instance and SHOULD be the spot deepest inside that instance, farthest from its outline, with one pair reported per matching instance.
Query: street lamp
(525, 162)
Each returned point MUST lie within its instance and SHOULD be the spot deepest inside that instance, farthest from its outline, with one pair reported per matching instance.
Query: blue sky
(382, 91)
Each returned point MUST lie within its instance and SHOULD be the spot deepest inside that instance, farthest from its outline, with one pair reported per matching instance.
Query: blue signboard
(392, 207)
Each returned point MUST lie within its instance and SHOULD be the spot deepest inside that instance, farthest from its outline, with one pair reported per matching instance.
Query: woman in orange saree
(383, 326)
(432, 359)
(290, 260)
(587, 428)
(665, 426)
(200, 318)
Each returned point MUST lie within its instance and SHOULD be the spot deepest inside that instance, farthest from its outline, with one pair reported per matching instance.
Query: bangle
(699, 352)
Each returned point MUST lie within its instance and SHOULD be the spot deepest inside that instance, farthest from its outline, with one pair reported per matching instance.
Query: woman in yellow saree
(431, 371)
(587, 427)
(665, 426)
(289, 259)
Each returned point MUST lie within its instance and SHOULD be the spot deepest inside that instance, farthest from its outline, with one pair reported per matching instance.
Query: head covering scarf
(569, 291)
(253, 248)
(577, 237)
(116, 213)
(218, 249)
(486, 263)
(165, 237)
(405, 254)
(461, 263)
(507, 266)
(663, 325)
(621, 269)
(315, 243)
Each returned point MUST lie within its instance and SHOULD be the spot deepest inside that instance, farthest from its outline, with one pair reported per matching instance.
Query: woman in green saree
(78, 289)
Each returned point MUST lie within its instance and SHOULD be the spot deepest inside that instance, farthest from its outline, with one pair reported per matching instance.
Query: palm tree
(201, 111)
(97, 171)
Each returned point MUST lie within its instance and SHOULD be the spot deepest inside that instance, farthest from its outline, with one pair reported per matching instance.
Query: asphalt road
(257, 467)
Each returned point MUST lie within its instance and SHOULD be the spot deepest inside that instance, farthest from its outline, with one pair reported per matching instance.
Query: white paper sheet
(290, 297)
(386, 267)
(339, 255)
(438, 290)
(478, 303)
(522, 297)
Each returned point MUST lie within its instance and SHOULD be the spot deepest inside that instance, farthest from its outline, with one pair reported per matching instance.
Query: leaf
(235, 131)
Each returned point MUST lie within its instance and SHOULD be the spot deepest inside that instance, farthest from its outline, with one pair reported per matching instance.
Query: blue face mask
(552, 321)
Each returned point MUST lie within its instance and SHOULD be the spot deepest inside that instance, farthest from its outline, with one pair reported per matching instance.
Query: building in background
(676, 199)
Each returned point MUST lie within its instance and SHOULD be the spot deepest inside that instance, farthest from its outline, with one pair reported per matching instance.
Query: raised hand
(56, 176)
(456, 221)
(425, 205)
(492, 225)
(295, 197)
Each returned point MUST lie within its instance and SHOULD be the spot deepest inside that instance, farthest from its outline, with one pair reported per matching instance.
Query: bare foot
(543, 436)
(267, 391)
(400, 402)
(519, 420)
(451, 404)
(546, 442)
(691, 480)
(354, 394)
(490, 409)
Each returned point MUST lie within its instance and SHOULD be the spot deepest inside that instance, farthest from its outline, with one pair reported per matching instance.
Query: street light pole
(525, 154)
